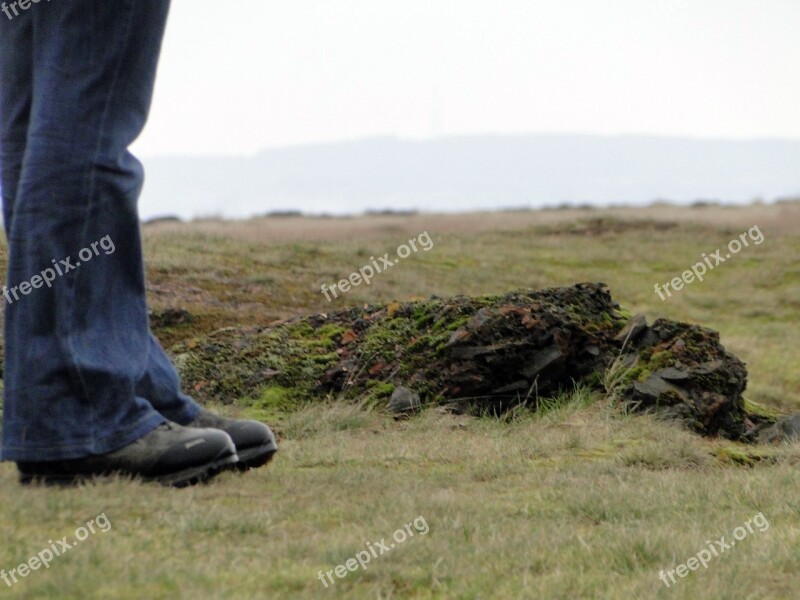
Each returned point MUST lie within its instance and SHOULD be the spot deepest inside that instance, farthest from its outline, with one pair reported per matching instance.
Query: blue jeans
(83, 373)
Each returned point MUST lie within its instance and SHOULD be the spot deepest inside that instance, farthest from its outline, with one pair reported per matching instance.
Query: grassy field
(580, 501)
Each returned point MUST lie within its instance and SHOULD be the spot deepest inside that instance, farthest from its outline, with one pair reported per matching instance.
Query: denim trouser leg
(79, 354)
(162, 387)
(16, 95)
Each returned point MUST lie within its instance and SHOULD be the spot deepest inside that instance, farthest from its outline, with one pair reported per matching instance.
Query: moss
(422, 315)
(458, 323)
(330, 331)
(230, 364)
(273, 403)
(275, 396)
(624, 313)
(759, 410)
(449, 325)
(376, 393)
(379, 342)
(330, 357)
(746, 456)
(300, 330)
(650, 362)
(380, 388)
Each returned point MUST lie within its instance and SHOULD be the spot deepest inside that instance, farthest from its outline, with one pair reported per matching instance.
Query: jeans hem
(186, 416)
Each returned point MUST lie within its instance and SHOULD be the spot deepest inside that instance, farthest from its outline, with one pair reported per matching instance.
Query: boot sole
(196, 475)
(183, 478)
(252, 458)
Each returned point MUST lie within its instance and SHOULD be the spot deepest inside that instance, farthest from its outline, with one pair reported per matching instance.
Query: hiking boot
(254, 441)
(170, 455)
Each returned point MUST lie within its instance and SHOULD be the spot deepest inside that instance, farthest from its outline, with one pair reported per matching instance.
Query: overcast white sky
(240, 76)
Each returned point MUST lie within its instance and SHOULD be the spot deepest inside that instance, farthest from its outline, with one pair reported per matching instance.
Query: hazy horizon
(488, 134)
(471, 172)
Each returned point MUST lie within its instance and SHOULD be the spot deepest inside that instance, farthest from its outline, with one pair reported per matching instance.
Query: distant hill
(472, 172)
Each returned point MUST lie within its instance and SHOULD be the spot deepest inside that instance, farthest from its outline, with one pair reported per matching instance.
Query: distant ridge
(470, 173)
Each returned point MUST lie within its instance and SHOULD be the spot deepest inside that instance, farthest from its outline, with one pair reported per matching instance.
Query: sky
(251, 74)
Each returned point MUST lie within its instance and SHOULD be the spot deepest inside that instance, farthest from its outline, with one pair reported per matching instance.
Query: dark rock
(514, 388)
(404, 401)
(545, 359)
(655, 391)
(470, 352)
(631, 332)
(672, 374)
(785, 429)
(690, 369)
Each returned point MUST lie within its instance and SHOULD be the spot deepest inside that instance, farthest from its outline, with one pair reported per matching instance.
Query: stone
(635, 327)
(785, 429)
(404, 401)
(544, 359)
(672, 374)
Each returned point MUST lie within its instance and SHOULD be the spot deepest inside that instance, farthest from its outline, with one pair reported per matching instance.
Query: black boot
(170, 454)
(255, 443)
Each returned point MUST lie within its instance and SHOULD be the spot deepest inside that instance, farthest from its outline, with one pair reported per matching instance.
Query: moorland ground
(582, 500)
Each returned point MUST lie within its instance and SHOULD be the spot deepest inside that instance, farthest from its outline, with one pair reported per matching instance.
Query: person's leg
(16, 85)
(77, 347)
(161, 385)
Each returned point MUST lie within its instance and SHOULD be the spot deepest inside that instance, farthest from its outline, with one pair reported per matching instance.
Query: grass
(579, 500)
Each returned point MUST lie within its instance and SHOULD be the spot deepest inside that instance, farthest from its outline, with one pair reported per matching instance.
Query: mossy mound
(480, 354)
(483, 349)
